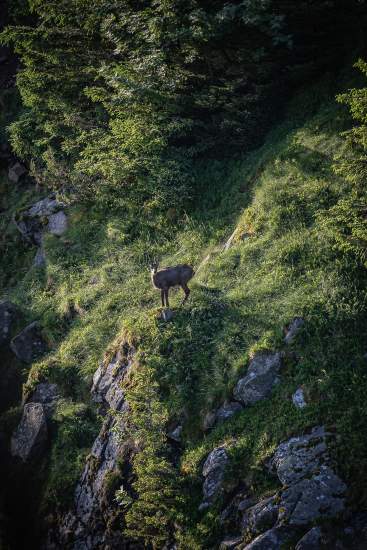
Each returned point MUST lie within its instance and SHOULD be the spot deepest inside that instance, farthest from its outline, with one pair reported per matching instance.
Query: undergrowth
(282, 264)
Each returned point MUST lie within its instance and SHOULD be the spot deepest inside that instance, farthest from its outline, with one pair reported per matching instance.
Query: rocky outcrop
(213, 473)
(29, 344)
(46, 215)
(9, 316)
(95, 521)
(47, 395)
(311, 492)
(262, 375)
(30, 438)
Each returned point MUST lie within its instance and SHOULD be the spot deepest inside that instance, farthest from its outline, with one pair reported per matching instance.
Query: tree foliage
(120, 96)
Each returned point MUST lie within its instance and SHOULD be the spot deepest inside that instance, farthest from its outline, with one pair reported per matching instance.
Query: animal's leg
(166, 294)
(162, 297)
(186, 290)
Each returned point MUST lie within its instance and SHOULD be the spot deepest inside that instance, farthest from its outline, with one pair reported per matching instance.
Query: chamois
(168, 277)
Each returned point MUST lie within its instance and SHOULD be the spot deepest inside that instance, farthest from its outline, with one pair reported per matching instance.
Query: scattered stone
(30, 437)
(311, 540)
(16, 171)
(230, 543)
(47, 394)
(9, 315)
(94, 280)
(293, 329)
(227, 410)
(298, 399)
(213, 472)
(29, 344)
(167, 315)
(57, 223)
(261, 376)
(176, 434)
(270, 540)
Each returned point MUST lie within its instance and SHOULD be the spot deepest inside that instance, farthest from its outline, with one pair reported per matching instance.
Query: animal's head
(153, 266)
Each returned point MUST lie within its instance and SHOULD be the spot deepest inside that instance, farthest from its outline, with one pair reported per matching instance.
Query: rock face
(29, 439)
(311, 492)
(29, 344)
(47, 395)
(314, 491)
(213, 472)
(95, 521)
(262, 375)
(9, 314)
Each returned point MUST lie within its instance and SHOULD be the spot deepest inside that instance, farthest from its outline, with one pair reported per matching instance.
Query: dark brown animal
(168, 277)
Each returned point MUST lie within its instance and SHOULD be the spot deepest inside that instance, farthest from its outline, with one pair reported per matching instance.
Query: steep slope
(93, 296)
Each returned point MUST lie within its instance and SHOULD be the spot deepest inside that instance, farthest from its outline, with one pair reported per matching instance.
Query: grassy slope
(96, 285)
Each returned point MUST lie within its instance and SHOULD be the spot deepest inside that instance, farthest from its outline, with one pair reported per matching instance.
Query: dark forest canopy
(127, 94)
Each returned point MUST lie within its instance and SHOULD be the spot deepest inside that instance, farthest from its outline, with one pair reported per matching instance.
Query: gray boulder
(311, 540)
(313, 489)
(321, 496)
(300, 457)
(16, 171)
(262, 375)
(57, 223)
(30, 437)
(44, 207)
(213, 472)
(298, 399)
(29, 344)
(293, 329)
(9, 315)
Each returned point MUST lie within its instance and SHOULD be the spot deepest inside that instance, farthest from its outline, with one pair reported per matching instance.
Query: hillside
(236, 420)
(95, 295)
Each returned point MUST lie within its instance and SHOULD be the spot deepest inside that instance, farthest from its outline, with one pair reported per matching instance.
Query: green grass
(282, 264)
